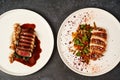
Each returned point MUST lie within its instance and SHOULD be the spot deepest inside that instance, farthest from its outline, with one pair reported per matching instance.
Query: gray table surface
(55, 11)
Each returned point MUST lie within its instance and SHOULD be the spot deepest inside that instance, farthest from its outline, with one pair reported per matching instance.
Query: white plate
(44, 32)
(103, 19)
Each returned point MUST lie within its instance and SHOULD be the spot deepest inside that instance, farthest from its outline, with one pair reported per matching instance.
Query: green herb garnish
(78, 53)
(77, 42)
(90, 30)
(82, 26)
(86, 51)
(84, 38)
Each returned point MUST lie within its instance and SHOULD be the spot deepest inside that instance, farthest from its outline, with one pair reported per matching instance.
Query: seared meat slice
(25, 39)
(95, 55)
(27, 34)
(98, 43)
(23, 53)
(25, 44)
(100, 34)
(97, 48)
(24, 48)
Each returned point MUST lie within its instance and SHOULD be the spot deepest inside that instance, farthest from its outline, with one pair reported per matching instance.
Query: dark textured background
(55, 11)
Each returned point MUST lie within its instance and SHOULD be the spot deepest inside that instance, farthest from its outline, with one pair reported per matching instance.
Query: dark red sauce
(28, 26)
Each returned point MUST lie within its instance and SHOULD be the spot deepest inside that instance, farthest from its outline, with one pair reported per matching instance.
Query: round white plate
(102, 19)
(44, 32)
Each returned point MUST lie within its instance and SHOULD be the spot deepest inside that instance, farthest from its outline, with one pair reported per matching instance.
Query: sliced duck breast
(26, 40)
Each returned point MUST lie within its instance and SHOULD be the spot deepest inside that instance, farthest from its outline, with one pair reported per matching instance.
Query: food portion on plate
(89, 42)
(25, 44)
(21, 57)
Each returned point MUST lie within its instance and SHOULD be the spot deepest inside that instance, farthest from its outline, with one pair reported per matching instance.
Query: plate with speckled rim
(43, 31)
(102, 19)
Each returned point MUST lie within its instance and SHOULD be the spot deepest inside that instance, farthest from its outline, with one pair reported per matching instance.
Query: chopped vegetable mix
(81, 39)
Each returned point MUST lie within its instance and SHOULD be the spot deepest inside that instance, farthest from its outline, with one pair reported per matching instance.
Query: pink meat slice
(26, 40)
(23, 53)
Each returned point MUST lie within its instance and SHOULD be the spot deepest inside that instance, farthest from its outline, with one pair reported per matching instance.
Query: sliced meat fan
(25, 39)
